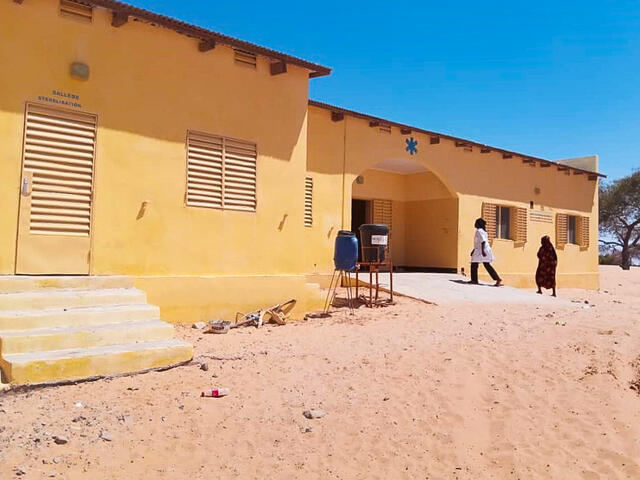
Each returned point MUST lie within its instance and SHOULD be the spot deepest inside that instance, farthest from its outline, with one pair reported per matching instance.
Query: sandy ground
(410, 391)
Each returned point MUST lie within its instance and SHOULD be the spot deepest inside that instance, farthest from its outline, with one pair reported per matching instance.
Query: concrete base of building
(187, 299)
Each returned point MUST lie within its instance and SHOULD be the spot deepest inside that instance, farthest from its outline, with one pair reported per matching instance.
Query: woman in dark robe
(547, 263)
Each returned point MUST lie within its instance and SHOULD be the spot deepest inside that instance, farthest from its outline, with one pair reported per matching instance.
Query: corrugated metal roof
(206, 35)
(365, 116)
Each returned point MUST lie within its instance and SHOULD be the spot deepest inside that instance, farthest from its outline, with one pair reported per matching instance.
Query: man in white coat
(482, 253)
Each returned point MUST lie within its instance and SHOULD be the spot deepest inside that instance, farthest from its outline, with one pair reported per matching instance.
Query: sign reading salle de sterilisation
(62, 98)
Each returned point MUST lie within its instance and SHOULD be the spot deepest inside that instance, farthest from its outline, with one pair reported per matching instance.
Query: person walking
(547, 264)
(482, 253)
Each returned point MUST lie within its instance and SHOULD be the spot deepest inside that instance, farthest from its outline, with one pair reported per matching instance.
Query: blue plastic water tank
(345, 255)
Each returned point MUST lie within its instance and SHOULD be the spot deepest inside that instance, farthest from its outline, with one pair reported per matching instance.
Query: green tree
(620, 216)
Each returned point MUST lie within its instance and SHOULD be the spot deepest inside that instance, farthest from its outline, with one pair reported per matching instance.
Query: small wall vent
(77, 10)
(247, 59)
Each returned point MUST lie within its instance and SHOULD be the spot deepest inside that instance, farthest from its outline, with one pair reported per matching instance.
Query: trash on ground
(278, 314)
(218, 326)
(314, 413)
(216, 392)
(199, 325)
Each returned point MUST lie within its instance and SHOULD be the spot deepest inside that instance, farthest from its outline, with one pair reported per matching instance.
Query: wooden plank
(278, 67)
(118, 19)
(206, 45)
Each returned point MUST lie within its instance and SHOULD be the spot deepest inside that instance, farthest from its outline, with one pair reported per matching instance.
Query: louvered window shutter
(221, 172)
(561, 230)
(490, 215)
(308, 201)
(59, 150)
(239, 175)
(382, 213)
(520, 227)
(584, 232)
(204, 170)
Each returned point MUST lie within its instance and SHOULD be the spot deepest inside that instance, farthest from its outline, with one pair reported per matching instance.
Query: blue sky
(551, 79)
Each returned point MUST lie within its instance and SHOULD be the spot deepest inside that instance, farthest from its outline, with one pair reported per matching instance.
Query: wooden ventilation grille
(308, 202)
(385, 128)
(561, 230)
(382, 212)
(520, 226)
(221, 172)
(583, 232)
(490, 215)
(245, 58)
(59, 149)
(77, 10)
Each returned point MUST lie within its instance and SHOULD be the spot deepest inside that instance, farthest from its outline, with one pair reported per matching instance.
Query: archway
(421, 211)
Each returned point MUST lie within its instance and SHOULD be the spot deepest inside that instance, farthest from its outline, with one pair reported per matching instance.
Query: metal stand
(375, 268)
(336, 280)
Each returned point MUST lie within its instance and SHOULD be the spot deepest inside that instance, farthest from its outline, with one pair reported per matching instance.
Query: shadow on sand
(466, 282)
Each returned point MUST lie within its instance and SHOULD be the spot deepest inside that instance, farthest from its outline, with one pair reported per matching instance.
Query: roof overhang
(122, 11)
(339, 112)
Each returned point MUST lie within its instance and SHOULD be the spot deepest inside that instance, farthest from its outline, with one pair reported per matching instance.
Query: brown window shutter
(584, 232)
(489, 214)
(561, 230)
(382, 212)
(520, 225)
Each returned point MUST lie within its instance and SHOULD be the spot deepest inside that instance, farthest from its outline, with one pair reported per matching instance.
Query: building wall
(148, 86)
(468, 178)
(424, 220)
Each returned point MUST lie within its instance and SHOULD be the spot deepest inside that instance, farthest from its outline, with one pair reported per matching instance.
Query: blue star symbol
(412, 146)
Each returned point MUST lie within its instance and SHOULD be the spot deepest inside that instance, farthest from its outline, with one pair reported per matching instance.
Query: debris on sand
(314, 413)
(60, 439)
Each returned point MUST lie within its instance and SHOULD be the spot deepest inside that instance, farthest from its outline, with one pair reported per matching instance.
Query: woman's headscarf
(548, 246)
(480, 223)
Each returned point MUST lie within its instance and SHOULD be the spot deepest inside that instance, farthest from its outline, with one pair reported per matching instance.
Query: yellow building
(134, 144)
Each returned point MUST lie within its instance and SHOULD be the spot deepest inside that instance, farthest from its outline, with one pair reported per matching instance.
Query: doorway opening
(360, 214)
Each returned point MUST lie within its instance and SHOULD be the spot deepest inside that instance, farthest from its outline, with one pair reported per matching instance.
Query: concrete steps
(70, 298)
(44, 339)
(66, 328)
(14, 283)
(37, 367)
(87, 316)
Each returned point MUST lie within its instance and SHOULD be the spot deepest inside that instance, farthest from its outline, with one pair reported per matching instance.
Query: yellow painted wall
(425, 216)
(148, 86)
(471, 178)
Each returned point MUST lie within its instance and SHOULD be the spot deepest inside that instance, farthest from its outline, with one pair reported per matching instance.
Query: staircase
(66, 328)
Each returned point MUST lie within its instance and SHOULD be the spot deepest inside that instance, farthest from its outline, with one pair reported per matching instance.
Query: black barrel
(374, 238)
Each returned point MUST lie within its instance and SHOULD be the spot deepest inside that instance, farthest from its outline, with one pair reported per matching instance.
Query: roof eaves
(365, 116)
(188, 29)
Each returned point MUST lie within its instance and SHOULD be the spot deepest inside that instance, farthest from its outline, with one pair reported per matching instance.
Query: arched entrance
(421, 211)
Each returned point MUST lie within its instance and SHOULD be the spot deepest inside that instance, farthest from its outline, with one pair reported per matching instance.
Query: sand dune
(410, 391)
